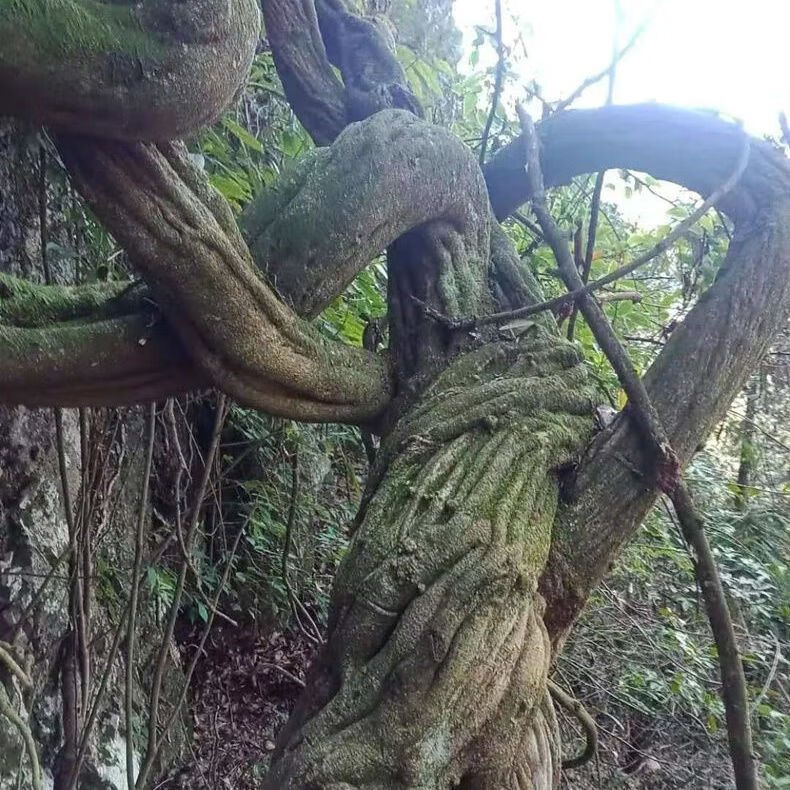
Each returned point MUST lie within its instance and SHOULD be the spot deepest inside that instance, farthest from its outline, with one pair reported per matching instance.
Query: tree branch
(643, 410)
(667, 479)
(109, 343)
(182, 237)
(498, 82)
(693, 149)
(579, 290)
(364, 52)
(380, 179)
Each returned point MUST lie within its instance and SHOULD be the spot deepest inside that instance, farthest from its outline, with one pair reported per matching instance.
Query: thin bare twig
(785, 126)
(78, 642)
(528, 224)
(39, 594)
(578, 711)
(91, 719)
(206, 630)
(592, 80)
(595, 202)
(152, 747)
(498, 82)
(170, 417)
(299, 682)
(294, 602)
(130, 630)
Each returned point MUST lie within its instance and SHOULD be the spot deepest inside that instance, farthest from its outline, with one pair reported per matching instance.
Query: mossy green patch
(74, 29)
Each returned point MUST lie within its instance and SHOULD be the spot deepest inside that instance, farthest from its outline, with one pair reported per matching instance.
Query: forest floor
(243, 690)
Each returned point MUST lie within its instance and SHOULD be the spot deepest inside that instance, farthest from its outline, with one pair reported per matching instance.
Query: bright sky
(728, 55)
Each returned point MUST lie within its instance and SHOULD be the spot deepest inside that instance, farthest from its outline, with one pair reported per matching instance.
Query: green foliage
(643, 651)
(345, 319)
(259, 474)
(244, 152)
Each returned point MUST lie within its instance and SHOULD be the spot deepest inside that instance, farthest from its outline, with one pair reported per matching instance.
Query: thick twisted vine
(436, 665)
(235, 328)
(219, 313)
(438, 640)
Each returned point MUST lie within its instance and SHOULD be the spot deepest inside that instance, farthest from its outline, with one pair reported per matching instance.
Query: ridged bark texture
(435, 669)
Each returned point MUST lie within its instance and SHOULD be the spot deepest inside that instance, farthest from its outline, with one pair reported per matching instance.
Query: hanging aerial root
(578, 711)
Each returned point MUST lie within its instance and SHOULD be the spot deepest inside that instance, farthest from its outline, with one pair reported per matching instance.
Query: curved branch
(181, 237)
(97, 344)
(694, 149)
(339, 207)
(707, 359)
(153, 70)
(365, 54)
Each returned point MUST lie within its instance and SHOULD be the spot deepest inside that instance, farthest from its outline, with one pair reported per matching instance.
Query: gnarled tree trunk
(436, 666)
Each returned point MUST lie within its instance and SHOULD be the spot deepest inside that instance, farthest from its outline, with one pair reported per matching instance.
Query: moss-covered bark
(157, 69)
(435, 669)
(182, 237)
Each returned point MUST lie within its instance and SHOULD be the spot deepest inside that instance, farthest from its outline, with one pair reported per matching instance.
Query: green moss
(27, 304)
(78, 29)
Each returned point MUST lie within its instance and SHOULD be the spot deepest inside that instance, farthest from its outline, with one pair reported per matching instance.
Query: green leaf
(242, 135)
